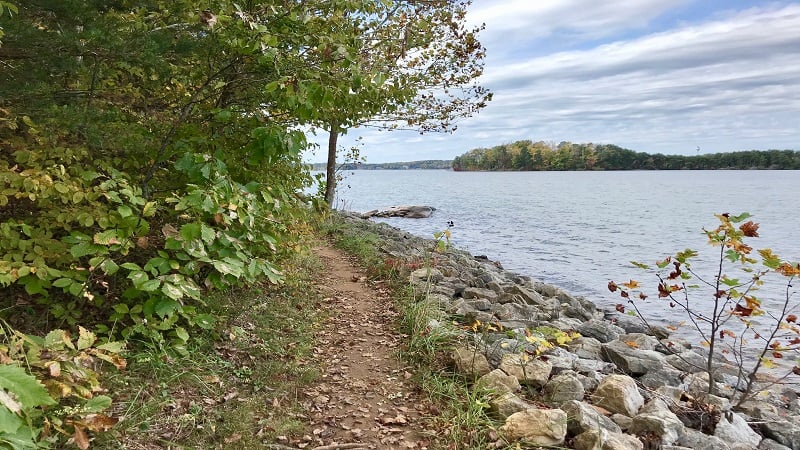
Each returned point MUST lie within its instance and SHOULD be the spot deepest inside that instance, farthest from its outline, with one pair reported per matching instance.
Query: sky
(657, 76)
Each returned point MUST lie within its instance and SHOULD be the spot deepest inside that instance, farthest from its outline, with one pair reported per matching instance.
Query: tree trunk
(330, 174)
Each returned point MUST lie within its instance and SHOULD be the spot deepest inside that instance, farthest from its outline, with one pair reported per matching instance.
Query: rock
(687, 361)
(630, 360)
(606, 440)
(655, 418)
(732, 427)
(783, 432)
(631, 324)
(601, 330)
(536, 426)
(422, 276)
(563, 388)
(507, 404)
(769, 444)
(700, 441)
(470, 362)
(640, 341)
(561, 359)
(587, 366)
(504, 346)
(662, 375)
(407, 211)
(528, 296)
(527, 370)
(478, 293)
(586, 347)
(498, 382)
(618, 394)
(623, 421)
(582, 418)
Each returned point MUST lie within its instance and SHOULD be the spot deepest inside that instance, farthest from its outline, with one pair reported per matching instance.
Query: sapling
(725, 308)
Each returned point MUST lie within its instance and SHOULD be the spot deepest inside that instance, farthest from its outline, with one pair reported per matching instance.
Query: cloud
(651, 75)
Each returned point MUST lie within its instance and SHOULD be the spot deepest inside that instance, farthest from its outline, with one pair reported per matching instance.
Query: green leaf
(63, 282)
(149, 209)
(108, 237)
(112, 347)
(182, 334)
(166, 307)
(204, 321)
(190, 231)
(131, 266)
(730, 281)
(124, 211)
(85, 338)
(109, 266)
(97, 404)
(26, 388)
(640, 265)
(150, 285)
(10, 423)
(172, 291)
(740, 217)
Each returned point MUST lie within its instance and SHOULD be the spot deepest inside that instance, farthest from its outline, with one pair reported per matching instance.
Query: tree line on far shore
(540, 156)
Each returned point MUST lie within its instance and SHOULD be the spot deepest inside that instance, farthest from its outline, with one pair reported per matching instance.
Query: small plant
(51, 386)
(733, 322)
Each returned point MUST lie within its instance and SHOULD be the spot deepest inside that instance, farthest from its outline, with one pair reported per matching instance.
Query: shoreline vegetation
(567, 156)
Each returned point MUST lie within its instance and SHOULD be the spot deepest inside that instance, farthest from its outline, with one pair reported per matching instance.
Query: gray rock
(561, 360)
(601, 330)
(536, 426)
(700, 441)
(528, 296)
(479, 293)
(587, 366)
(732, 427)
(630, 360)
(618, 394)
(606, 440)
(425, 275)
(769, 444)
(640, 341)
(582, 418)
(498, 382)
(527, 370)
(407, 211)
(480, 305)
(562, 388)
(631, 324)
(687, 361)
(470, 362)
(784, 432)
(622, 421)
(585, 347)
(656, 418)
(663, 375)
(507, 404)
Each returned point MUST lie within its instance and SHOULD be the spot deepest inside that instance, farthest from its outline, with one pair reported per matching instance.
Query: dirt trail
(364, 399)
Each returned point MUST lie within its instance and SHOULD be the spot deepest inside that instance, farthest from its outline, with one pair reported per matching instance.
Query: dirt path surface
(364, 399)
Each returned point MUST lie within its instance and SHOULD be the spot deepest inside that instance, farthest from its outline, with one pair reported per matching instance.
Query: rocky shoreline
(617, 385)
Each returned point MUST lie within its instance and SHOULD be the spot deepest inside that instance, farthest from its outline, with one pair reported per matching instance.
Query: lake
(578, 230)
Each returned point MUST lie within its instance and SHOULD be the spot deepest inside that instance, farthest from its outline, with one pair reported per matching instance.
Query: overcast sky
(658, 76)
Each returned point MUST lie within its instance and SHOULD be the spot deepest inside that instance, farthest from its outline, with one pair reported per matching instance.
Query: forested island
(539, 156)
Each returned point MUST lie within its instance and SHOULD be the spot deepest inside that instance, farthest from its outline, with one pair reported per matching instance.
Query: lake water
(578, 230)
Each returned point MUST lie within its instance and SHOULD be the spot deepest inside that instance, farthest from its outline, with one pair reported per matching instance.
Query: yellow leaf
(632, 284)
(767, 363)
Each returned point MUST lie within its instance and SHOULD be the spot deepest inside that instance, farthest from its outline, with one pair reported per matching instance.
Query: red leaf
(642, 296)
(620, 308)
(624, 294)
(612, 286)
(750, 229)
(777, 355)
(740, 310)
(791, 318)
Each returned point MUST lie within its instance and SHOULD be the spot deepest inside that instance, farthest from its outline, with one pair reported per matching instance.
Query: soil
(365, 398)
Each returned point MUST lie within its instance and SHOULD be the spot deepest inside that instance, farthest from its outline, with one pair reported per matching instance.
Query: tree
(422, 63)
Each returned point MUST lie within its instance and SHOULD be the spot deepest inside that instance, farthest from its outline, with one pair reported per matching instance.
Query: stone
(601, 330)
(470, 362)
(732, 427)
(479, 293)
(407, 211)
(582, 417)
(623, 421)
(507, 404)
(536, 426)
(480, 305)
(769, 444)
(698, 440)
(424, 275)
(561, 359)
(504, 346)
(585, 347)
(687, 361)
(783, 432)
(498, 382)
(528, 296)
(606, 440)
(657, 419)
(662, 375)
(562, 388)
(588, 366)
(630, 360)
(631, 324)
(618, 394)
(526, 370)
(640, 341)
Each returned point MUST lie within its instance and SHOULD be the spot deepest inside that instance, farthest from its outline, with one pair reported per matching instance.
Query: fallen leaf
(80, 438)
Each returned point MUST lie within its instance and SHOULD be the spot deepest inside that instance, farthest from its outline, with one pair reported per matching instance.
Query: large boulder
(563, 388)
(655, 418)
(732, 427)
(507, 404)
(618, 394)
(631, 360)
(537, 426)
(527, 370)
(606, 440)
(470, 362)
(407, 211)
(601, 330)
(498, 382)
(583, 417)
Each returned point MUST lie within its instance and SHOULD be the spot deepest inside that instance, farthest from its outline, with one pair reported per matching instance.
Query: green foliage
(527, 155)
(738, 325)
(51, 384)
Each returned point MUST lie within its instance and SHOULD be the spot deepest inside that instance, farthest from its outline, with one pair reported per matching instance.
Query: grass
(236, 387)
(462, 420)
